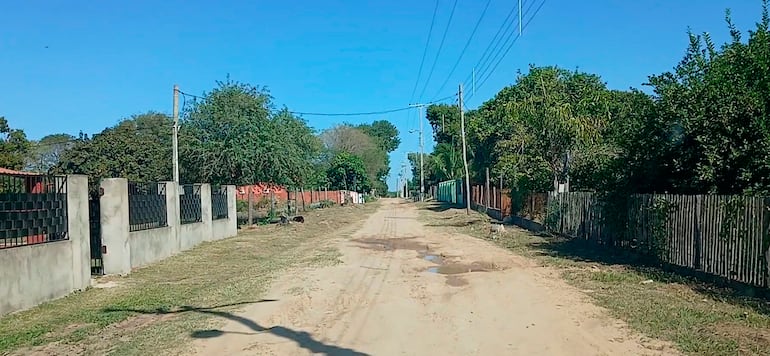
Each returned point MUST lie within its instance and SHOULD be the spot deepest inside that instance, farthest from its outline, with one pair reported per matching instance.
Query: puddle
(432, 258)
(460, 268)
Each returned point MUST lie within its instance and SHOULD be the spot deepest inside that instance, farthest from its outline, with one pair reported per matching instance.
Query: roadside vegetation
(157, 308)
(699, 318)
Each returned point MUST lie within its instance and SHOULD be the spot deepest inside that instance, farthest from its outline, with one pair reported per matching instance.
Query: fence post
(115, 225)
(251, 205)
(486, 191)
(302, 191)
(697, 240)
(173, 213)
(78, 230)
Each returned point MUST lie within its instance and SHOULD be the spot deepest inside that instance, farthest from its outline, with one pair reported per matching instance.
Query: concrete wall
(34, 274)
(127, 250)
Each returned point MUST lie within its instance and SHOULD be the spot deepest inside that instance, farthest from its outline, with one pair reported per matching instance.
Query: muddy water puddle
(460, 268)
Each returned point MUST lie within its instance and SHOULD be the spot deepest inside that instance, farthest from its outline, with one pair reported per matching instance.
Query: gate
(94, 222)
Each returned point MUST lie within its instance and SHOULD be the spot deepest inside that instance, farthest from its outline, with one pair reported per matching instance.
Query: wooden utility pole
(175, 139)
(251, 206)
(465, 158)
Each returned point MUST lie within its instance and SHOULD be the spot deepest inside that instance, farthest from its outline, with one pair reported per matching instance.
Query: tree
(347, 172)
(138, 149)
(13, 146)
(355, 141)
(445, 121)
(46, 153)
(384, 133)
(233, 136)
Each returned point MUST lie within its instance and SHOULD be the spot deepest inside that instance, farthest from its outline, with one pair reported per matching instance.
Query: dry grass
(155, 309)
(699, 318)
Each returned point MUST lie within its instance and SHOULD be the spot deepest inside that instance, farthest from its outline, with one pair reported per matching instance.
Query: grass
(697, 317)
(154, 309)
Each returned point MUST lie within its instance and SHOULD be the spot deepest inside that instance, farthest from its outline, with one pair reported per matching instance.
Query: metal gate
(94, 216)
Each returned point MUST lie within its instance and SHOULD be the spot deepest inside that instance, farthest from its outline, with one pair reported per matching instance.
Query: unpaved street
(406, 289)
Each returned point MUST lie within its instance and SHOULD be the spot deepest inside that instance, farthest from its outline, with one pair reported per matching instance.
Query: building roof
(16, 173)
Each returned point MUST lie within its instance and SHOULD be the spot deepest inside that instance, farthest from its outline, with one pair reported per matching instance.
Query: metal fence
(190, 204)
(147, 206)
(219, 203)
(33, 209)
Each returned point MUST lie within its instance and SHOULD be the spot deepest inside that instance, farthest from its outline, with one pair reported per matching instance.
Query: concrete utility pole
(465, 159)
(176, 132)
(422, 153)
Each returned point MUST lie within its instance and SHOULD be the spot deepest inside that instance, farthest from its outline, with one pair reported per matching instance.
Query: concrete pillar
(172, 214)
(232, 212)
(206, 217)
(78, 230)
(115, 225)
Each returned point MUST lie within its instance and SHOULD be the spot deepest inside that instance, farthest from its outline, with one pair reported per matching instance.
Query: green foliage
(704, 130)
(138, 149)
(384, 133)
(13, 146)
(232, 136)
(347, 172)
(356, 142)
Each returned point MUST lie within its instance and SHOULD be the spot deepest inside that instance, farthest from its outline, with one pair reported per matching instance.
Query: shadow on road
(303, 339)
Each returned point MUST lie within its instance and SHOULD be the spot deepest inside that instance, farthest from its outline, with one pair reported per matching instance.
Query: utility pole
(422, 153)
(465, 159)
(176, 132)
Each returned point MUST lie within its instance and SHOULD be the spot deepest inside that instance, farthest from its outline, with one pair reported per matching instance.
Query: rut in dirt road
(403, 288)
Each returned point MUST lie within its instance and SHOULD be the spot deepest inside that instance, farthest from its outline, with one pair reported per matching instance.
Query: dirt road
(406, 289)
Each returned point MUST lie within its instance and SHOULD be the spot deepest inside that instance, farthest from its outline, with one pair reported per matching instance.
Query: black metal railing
(190, 204)
(218, 203)
(147, 206)
(33, 209)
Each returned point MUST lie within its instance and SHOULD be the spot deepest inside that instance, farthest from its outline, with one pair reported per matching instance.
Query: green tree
(234, 136)
(355, 141)
(384, 133)
(347, 172)
(716, 104)
(138, 149)
(14, 146)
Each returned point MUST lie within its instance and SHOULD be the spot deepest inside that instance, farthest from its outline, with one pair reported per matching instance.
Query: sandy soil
(406, 289)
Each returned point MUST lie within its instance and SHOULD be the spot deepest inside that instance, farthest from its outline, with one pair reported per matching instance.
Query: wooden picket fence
(722, 235)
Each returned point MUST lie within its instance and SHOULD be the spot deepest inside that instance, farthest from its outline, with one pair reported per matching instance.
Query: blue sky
(71, 66)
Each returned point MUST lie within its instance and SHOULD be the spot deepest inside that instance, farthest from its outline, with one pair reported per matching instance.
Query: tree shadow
(715, 287)
(302, 338)
(439, 207)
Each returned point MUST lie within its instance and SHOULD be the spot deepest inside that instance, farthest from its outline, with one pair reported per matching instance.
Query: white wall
(34, 274)
(129, 250)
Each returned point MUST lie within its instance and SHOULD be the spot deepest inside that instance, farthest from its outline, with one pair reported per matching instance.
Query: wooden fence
(725, 236)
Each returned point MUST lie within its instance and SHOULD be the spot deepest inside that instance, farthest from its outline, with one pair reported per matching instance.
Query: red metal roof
(16, 173)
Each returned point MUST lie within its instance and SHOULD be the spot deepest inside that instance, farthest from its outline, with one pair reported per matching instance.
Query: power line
(493, 43)
(512, 43)
(367, 113)
(425, 51)
(498, 48)
(438, 53)
(505, 42)
(388, 111)
(470, 38)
